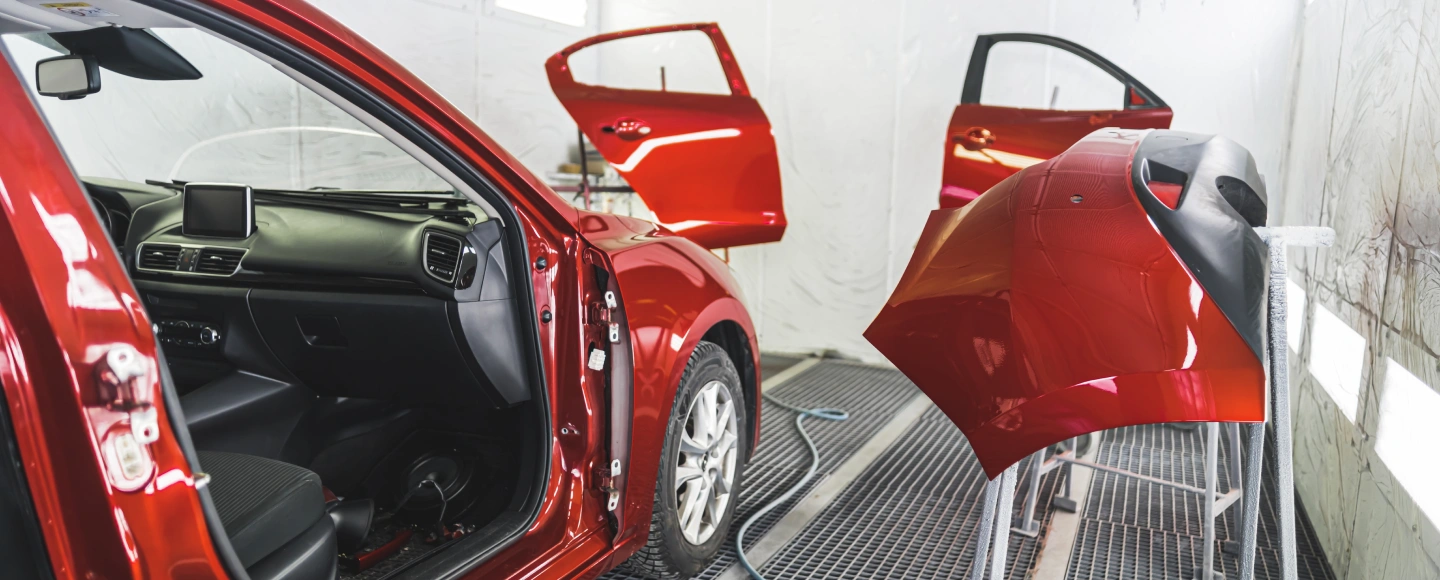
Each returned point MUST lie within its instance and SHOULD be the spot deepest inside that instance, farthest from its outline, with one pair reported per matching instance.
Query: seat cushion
(263, 503)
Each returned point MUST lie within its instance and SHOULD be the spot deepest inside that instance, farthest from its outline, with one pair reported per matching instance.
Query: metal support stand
(995, 519)
(987, 527)
(1212, 456)
(1215, 503)
(1278, 350)
(1000, 493)
(1232, 434)
(1029, 526)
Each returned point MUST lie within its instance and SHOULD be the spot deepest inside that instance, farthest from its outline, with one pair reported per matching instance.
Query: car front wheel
(698, 487)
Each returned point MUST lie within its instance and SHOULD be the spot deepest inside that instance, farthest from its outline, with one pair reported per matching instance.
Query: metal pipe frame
(1214, 504)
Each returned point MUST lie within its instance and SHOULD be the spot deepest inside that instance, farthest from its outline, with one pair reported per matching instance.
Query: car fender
(674, 292)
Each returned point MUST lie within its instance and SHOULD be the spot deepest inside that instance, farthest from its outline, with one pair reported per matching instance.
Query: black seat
(274, 515)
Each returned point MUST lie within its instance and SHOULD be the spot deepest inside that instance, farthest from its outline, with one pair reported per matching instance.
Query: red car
(273, 308)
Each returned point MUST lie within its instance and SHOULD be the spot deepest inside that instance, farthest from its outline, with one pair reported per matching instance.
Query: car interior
(344, 337)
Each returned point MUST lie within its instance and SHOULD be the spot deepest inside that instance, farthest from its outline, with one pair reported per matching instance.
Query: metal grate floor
(1133, 529)
(872, 395)
(914, 511)
(912, 514)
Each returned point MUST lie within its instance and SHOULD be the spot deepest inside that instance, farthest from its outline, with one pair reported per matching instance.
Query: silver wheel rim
(705, 469)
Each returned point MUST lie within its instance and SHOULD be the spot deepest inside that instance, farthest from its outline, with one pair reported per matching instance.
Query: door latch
(124, 383)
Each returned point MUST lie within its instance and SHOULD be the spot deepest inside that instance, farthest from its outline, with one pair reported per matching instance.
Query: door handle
(1101, 118)
(628, 128)
(976, 138)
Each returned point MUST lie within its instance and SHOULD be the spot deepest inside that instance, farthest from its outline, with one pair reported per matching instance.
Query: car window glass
(242, 122)
(1027, 75)
(684, 61)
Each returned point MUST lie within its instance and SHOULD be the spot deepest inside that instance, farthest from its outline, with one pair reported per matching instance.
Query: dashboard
(346, 295)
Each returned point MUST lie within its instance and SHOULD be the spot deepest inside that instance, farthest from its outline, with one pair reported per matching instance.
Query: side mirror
(68, 77)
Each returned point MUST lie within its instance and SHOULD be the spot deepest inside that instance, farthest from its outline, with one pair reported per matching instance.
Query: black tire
(667, 554)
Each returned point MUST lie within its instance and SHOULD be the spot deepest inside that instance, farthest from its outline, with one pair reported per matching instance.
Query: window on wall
(1407, 434)
(1337, 359)
(1035, 76)
(570, 12)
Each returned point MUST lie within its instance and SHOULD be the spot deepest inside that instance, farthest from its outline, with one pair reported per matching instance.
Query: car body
(985, 143)
(85, 379)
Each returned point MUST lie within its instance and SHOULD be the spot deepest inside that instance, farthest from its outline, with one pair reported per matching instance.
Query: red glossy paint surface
(671, 288)
(673, 292)
(1023, 137)
(65, 302)
(1030, 318)
(707, 166)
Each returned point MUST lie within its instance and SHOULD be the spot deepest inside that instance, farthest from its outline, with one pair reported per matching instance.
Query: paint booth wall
(860, 96)
(487, 60)
(1364, 332)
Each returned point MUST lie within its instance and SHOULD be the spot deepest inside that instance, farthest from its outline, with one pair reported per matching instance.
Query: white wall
(860, 93)
(488, 61)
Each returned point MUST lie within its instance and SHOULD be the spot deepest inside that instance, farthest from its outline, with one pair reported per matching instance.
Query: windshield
(242, 122)
(320, 158)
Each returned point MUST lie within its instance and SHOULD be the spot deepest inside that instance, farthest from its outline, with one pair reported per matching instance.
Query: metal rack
(585, 189)
(1000, 492)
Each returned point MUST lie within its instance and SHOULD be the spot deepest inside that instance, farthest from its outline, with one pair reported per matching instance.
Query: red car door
(987, 143)
(704, 163)
(105, 473)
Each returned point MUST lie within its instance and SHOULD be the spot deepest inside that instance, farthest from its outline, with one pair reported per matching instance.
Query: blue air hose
(821, 413)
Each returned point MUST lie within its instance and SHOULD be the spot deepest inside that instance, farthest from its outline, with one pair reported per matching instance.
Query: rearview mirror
(68, 77)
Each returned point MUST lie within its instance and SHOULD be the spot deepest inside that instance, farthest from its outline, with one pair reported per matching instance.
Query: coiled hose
(802, 413)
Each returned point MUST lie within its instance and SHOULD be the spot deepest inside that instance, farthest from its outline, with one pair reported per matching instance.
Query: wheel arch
(731, 337)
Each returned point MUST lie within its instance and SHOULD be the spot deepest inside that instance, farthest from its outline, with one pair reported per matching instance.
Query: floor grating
(1133, 529)
(912, 514)
(872, 395)
(914, 511)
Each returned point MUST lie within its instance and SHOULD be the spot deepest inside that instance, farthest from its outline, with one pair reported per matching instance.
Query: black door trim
(975, 74)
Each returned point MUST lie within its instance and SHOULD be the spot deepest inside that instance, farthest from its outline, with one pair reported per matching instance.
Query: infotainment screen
(218, 210)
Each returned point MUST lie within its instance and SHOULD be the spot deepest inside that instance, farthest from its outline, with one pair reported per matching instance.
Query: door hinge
(605, 479)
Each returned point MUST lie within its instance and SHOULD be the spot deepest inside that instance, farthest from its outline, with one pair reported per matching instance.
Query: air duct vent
(442, 256)
(159, 257)
(219, 261)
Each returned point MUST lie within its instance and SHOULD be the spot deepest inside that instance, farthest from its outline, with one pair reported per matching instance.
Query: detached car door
(1044, 94)
(705, 163)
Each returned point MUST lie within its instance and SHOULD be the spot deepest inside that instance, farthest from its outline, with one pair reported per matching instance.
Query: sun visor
(1073, 297)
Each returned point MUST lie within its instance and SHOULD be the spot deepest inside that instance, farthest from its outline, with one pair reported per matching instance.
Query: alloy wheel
(705, 472)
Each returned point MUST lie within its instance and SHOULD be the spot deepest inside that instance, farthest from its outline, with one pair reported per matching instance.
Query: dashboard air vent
(160, 257)
(442, 256)
(220, 261)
